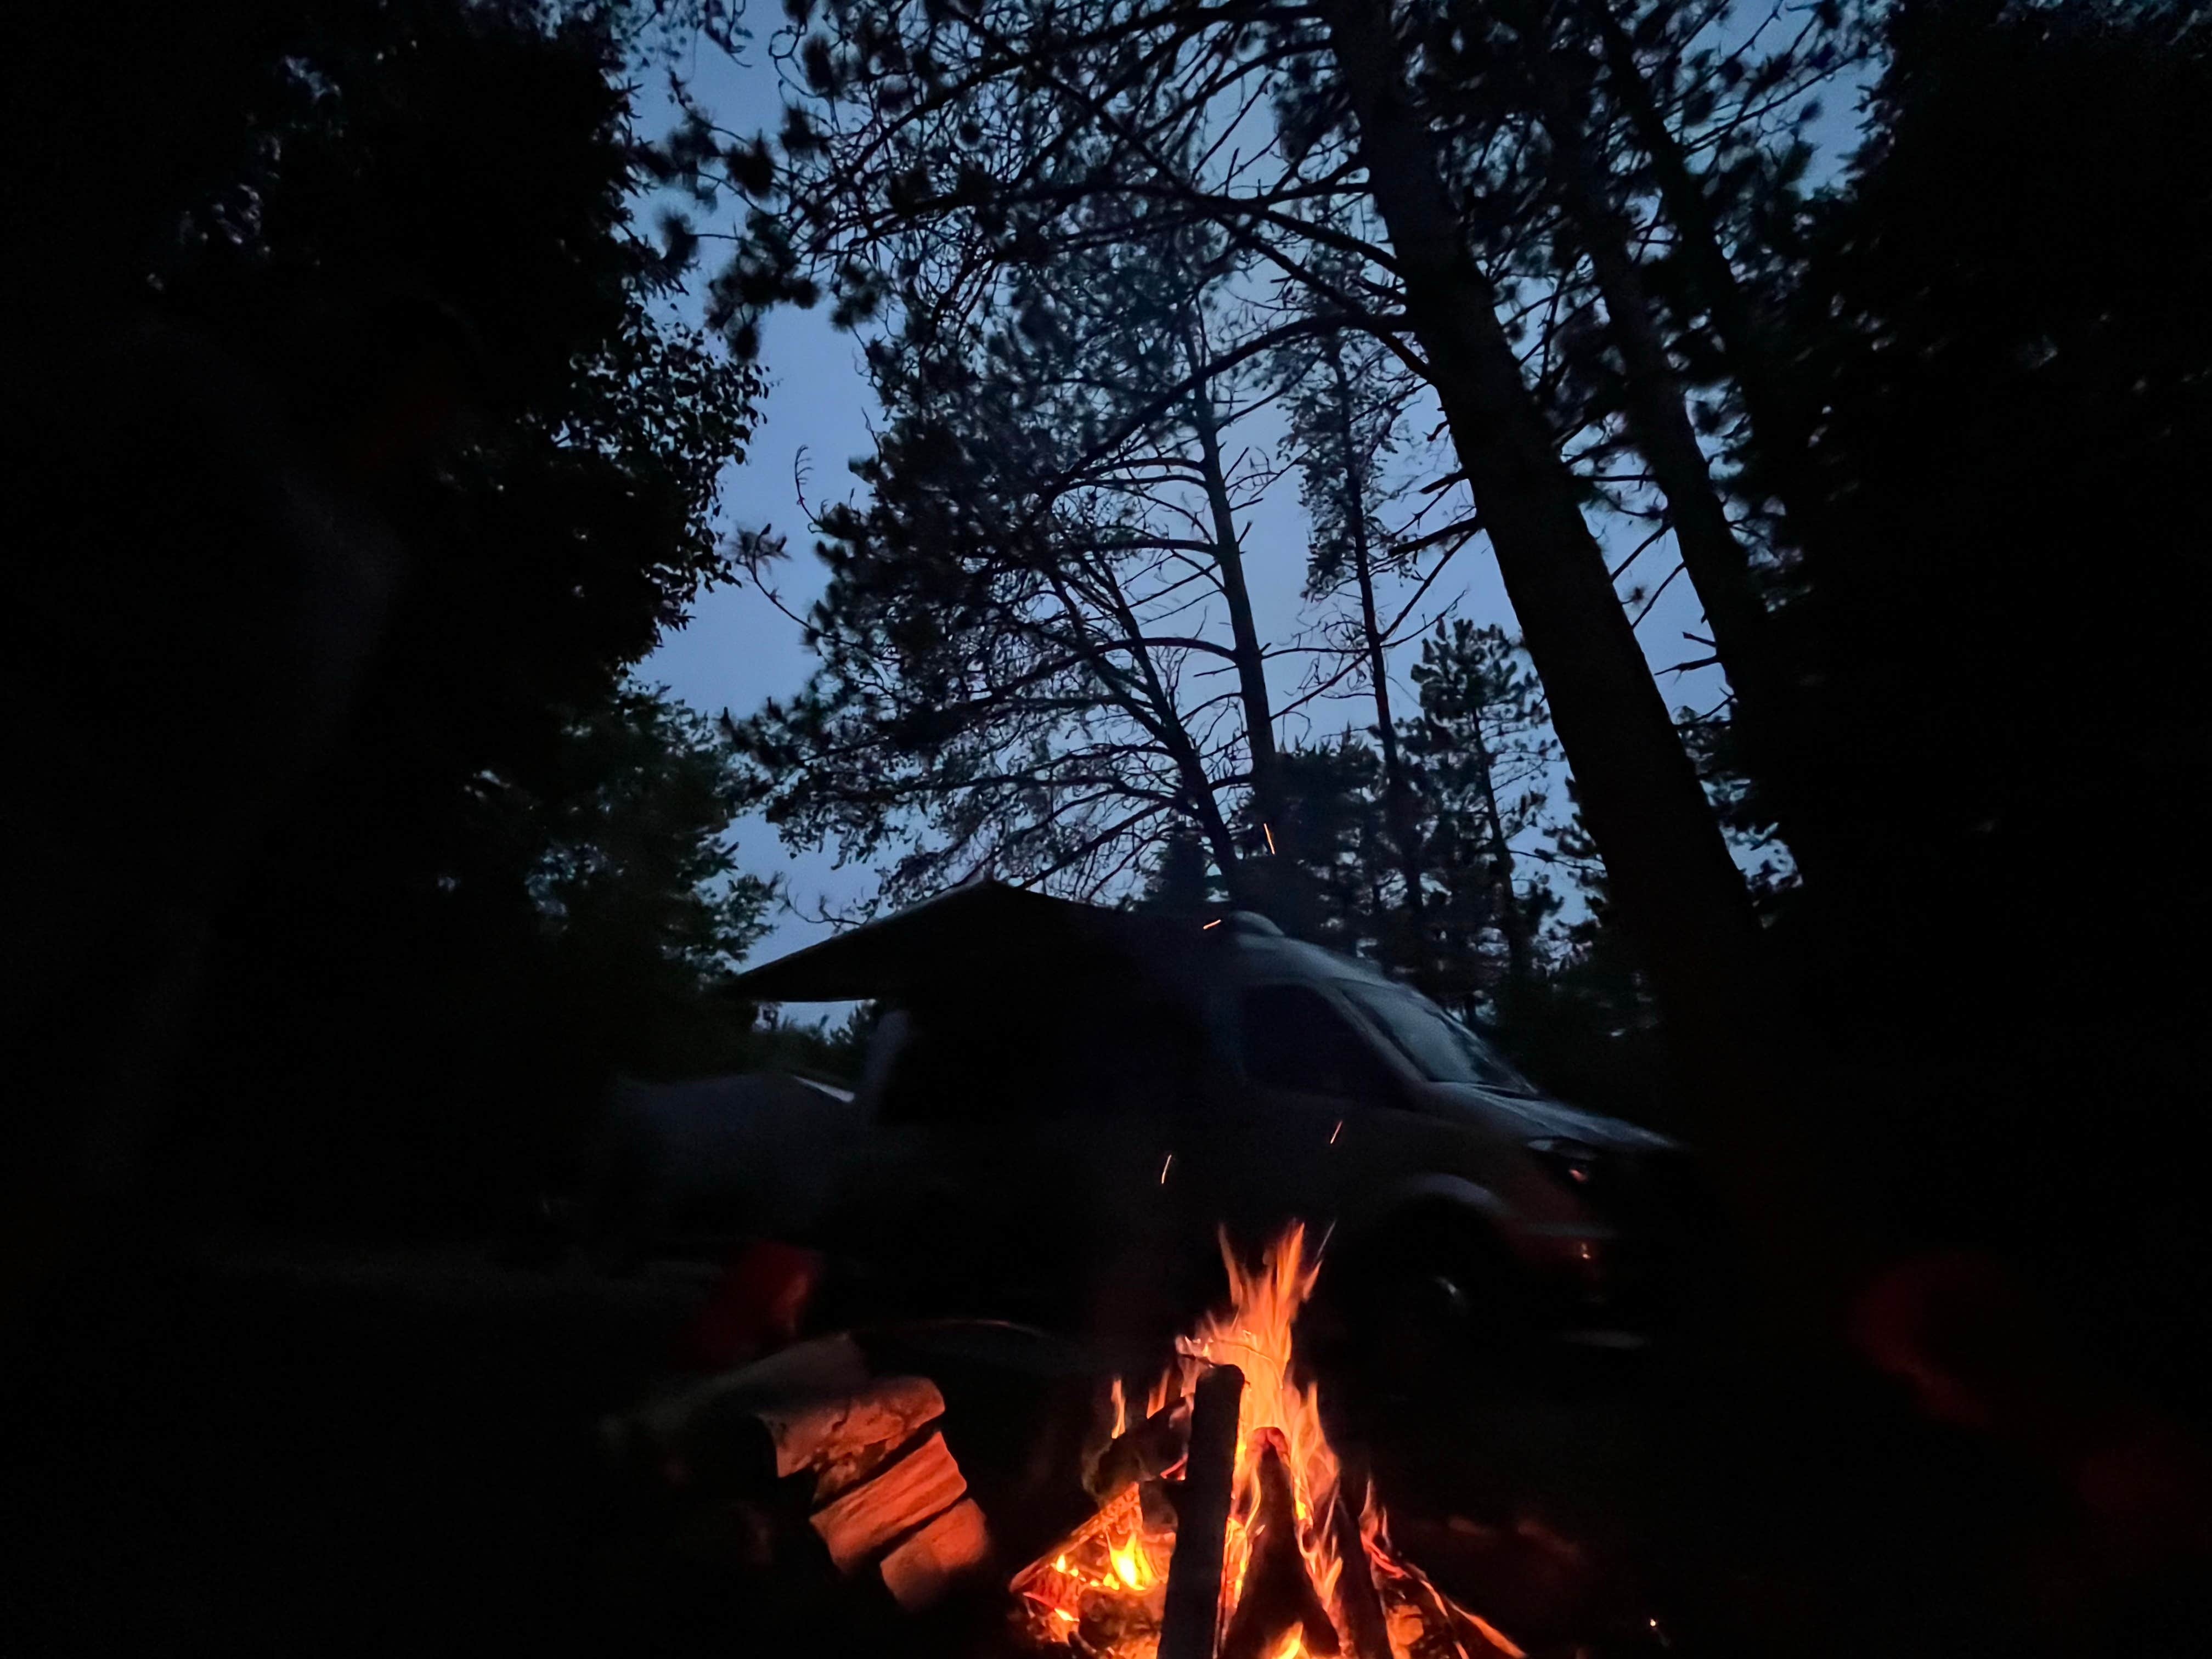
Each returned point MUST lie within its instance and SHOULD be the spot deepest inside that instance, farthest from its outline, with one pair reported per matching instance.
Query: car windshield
(1442, 1049)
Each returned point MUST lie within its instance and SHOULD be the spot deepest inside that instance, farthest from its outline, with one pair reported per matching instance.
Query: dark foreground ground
(395, 1454)
(382, 1454)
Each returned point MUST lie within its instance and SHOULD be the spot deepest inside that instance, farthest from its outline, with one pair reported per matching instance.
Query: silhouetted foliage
(637, 890)
(1181, 880)
(1999, 382)
(1482, 750)
(1021, 635)
(391, 316)
(1996, 328)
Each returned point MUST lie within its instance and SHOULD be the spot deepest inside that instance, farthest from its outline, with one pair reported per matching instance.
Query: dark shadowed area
(1498, 756)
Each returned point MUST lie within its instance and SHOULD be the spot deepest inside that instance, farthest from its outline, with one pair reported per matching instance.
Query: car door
(1310, 1077)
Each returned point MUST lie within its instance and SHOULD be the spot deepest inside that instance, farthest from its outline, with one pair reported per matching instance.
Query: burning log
(1279, 1598)
(919, 1486)
(1269, 1544)
(1365, 1621)
(1145, 1452)
(1475, 1633)
(1193, 1598)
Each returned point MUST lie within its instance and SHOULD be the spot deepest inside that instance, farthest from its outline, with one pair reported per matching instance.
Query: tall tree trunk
(1678, 889)
(1397, 791)
(1744, 334)
(1658, 417)
(1659, 421)
(1251, 660)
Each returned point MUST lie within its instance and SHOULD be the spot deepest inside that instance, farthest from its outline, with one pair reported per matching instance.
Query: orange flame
(1102, 1592)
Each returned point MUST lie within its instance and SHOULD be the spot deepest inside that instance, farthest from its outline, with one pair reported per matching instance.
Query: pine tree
(1024, 629)
(1483, 754)
(1344, 415)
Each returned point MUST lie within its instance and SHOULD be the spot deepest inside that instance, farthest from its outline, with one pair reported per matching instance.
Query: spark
(1270, 834)
(1165, 1167)
(1337, 1131)
(1210, 925)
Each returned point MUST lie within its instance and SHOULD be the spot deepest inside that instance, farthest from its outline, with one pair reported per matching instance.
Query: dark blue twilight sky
(740, 648)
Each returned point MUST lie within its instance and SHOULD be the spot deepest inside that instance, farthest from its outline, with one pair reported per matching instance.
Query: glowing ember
(1102, 1593)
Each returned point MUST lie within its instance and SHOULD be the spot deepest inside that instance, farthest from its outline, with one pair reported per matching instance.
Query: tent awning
(983, 934)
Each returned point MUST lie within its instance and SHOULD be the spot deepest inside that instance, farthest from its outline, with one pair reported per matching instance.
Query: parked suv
(1064, 1136)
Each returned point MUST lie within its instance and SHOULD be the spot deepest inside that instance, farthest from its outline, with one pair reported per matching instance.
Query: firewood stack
(885, 1494)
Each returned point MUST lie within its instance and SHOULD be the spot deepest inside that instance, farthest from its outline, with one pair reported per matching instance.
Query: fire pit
(1227, 1527)
(881, 1487)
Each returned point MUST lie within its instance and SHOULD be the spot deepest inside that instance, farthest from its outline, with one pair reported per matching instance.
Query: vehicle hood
(1531, 1117)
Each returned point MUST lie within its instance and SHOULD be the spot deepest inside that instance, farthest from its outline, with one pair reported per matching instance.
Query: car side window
(1292, 1038)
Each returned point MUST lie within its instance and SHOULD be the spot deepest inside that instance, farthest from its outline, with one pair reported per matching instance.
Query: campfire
(1226, 1527)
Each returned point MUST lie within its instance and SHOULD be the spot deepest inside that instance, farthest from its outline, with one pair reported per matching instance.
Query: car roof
(1260, 957)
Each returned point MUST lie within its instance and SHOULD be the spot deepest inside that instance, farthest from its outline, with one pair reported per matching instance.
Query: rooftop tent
(983, 935)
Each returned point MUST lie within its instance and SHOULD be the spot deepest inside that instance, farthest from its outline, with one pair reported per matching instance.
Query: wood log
(1366, 1623)
(1477, 1633)
(896, 1498)
(830, 1367)
(841, 1437)
(1149, 1449)
(919, 1570)
(1194, 1597)
(817, 1410)
(1279, 1596)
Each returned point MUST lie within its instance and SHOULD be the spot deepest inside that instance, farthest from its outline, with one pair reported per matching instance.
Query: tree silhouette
(2002, 482)
(373, 468)
(926, 150)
